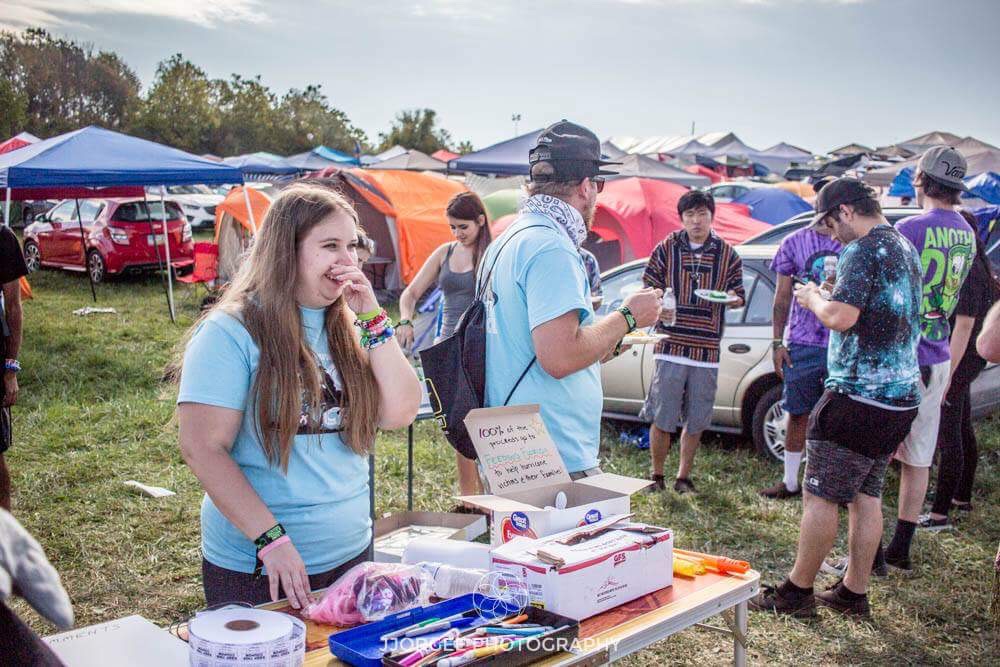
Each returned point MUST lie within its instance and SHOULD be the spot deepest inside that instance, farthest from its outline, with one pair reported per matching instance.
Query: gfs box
(530, 493)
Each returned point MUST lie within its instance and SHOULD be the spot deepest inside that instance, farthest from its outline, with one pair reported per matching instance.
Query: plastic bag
(370, 592)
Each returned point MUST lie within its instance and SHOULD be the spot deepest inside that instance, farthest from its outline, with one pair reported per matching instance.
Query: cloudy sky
(815, 73)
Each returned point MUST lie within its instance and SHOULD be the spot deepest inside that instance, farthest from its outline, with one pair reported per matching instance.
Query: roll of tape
(239, 636)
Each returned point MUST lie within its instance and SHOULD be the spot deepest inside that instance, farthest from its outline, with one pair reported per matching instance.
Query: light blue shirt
(538, 277)
(322, 500)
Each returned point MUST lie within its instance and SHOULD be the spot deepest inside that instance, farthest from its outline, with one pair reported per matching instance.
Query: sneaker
(929, 524)
(771, 599)
(832, 597)
(683, 485)
(659, 484)
(780, 492)
(838, 568)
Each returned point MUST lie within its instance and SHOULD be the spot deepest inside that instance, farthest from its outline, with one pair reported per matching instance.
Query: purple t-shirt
(947, 245)
(810, 256)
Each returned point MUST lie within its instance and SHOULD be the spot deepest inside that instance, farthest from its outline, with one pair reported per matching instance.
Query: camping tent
(444, 155)
(640, 166)
(800, 188)
(387, 154)
(507, 158)
(502, 202)
(320, 158)
(95, 157)
(780, 157)
(772, 205)
(902, 185)
(256, 165)
(412, 160)
(985, 186)
(702, 170)
(18, 141)
(639, 212)
(979, 162)
(237, 218)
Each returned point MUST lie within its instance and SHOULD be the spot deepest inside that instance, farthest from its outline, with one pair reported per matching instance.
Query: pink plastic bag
(370, 592)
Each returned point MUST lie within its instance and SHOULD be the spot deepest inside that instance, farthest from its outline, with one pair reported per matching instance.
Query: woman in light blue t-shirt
(283, 385)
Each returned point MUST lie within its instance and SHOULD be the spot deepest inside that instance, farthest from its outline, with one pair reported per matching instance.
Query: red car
(121, 235)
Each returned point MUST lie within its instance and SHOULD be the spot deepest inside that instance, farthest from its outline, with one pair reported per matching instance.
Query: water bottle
(669, 304)
(450, 581)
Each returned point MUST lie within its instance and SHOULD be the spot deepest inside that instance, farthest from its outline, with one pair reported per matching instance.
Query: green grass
(93, 413)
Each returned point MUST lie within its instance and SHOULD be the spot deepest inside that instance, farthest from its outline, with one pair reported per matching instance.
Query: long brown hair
(262, 297)
(468, 206)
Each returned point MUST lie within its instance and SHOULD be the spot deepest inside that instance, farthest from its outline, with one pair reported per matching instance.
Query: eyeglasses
(598, 182)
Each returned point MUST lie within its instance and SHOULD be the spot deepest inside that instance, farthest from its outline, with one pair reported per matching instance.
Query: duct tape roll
(469, 555)
(233, 637)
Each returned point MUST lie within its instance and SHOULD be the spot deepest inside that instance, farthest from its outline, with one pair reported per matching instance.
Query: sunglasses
(598, 182)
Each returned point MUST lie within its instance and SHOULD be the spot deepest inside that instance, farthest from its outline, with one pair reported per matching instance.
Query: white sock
(792, 461)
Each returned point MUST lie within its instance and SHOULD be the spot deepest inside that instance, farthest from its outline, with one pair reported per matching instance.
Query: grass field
(94, 413)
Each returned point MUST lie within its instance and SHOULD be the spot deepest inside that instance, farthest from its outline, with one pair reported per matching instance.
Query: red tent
(702, 170)
(20, 141)
(640, 212)
(444, 155)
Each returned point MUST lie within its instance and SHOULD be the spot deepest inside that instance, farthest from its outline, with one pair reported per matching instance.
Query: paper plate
(643, 338)
(714, 296)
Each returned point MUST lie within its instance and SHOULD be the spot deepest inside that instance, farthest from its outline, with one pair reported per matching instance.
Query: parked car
(197, 201)
(727, 191)
(121, 235)
(748, 398)
(774, 235)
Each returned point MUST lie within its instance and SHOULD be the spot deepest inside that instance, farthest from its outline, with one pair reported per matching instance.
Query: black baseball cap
(573, 151)
(838, 192)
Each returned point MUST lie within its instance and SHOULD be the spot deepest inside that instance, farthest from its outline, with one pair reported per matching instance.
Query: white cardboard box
(394, 531)
(601, 573)
(124, 642)
(523, 472)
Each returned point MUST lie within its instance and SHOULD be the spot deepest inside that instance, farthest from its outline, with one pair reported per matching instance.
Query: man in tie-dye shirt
(871, 396)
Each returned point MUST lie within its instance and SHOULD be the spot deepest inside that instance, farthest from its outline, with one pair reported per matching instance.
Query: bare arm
(426, 276)
(398, 386)
(832, 314)
(782, 306)
(206, 438)
(960, 336)
(564, 347)
(13, 313)
(988, 343)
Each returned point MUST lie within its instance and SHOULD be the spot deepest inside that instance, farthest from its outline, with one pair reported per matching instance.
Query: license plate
(155, 239)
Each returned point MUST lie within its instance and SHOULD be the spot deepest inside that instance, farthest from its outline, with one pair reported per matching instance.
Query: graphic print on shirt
(946, 258)
(820, 267)
(329, 406)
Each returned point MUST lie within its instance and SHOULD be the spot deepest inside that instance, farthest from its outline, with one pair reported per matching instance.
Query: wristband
(284, 539)
(629, 318)
(404, 323)
(12, 366)
(269, 536)
(370, 315)
(777, 343)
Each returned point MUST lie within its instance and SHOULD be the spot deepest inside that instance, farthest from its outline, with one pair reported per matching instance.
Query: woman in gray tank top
(453, 268)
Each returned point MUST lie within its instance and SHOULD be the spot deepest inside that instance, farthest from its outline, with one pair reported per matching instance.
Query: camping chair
(206, 265)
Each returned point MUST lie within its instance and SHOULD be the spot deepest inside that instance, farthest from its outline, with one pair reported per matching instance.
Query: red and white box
(597, 574)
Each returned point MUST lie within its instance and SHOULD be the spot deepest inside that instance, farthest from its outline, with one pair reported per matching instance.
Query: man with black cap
(538, 300)
(947, 245)
(871, 396)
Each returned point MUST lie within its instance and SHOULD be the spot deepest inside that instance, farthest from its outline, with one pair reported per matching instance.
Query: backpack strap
(518, 383)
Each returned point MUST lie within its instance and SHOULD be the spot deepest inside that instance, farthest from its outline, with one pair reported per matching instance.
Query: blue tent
(335, 156)
(264, 164)
(985, 186)
(772, 205)
(95, 157)
(902, 185)
(508, 158)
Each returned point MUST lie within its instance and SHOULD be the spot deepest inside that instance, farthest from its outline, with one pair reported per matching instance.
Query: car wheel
(32, 256)
(770, 425)
(95, 266)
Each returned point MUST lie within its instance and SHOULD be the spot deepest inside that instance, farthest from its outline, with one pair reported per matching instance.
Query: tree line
(50, 85)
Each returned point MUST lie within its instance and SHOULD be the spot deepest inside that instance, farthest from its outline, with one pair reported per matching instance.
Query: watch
(777, 343)
(12, 365)
(629, 317)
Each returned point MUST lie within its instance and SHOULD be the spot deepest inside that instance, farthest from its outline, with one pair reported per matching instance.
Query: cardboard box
(608, 570)
(394, 531)
(524, 472)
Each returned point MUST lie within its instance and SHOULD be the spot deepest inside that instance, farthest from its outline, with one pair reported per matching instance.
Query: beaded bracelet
(379, 321)
(372, 340)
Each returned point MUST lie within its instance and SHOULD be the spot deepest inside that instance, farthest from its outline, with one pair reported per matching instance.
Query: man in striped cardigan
(687, 363)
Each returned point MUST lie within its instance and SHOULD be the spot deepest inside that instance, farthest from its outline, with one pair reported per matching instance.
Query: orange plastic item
(718, 563)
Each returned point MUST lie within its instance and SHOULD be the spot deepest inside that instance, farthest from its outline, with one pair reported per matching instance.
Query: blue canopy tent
(772, 205)
(261, 166)
(902, 185)
(508, 158)
(334, 155)
(95, 157)
(985, 186)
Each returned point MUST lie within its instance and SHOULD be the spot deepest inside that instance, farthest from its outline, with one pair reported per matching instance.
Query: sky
(814, 73)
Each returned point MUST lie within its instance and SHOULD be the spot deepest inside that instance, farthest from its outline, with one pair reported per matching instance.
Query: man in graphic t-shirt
(946, 244)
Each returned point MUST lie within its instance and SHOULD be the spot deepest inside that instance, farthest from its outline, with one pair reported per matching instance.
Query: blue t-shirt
(947, 245)
(876, 359)
(322, 500)
(538, 277)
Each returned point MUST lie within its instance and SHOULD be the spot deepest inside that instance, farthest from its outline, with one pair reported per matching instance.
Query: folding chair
(206, 266)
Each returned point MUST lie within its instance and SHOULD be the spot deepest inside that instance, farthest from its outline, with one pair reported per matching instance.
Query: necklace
(696, 272)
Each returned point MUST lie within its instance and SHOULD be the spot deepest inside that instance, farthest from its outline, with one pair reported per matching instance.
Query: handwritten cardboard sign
(515, 450)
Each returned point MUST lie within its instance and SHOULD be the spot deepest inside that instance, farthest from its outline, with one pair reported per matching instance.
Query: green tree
(306, 120)
(464, 148)
(65, 85)
(247, 117)
(179, 110)
(416, 128)
(13, 110)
